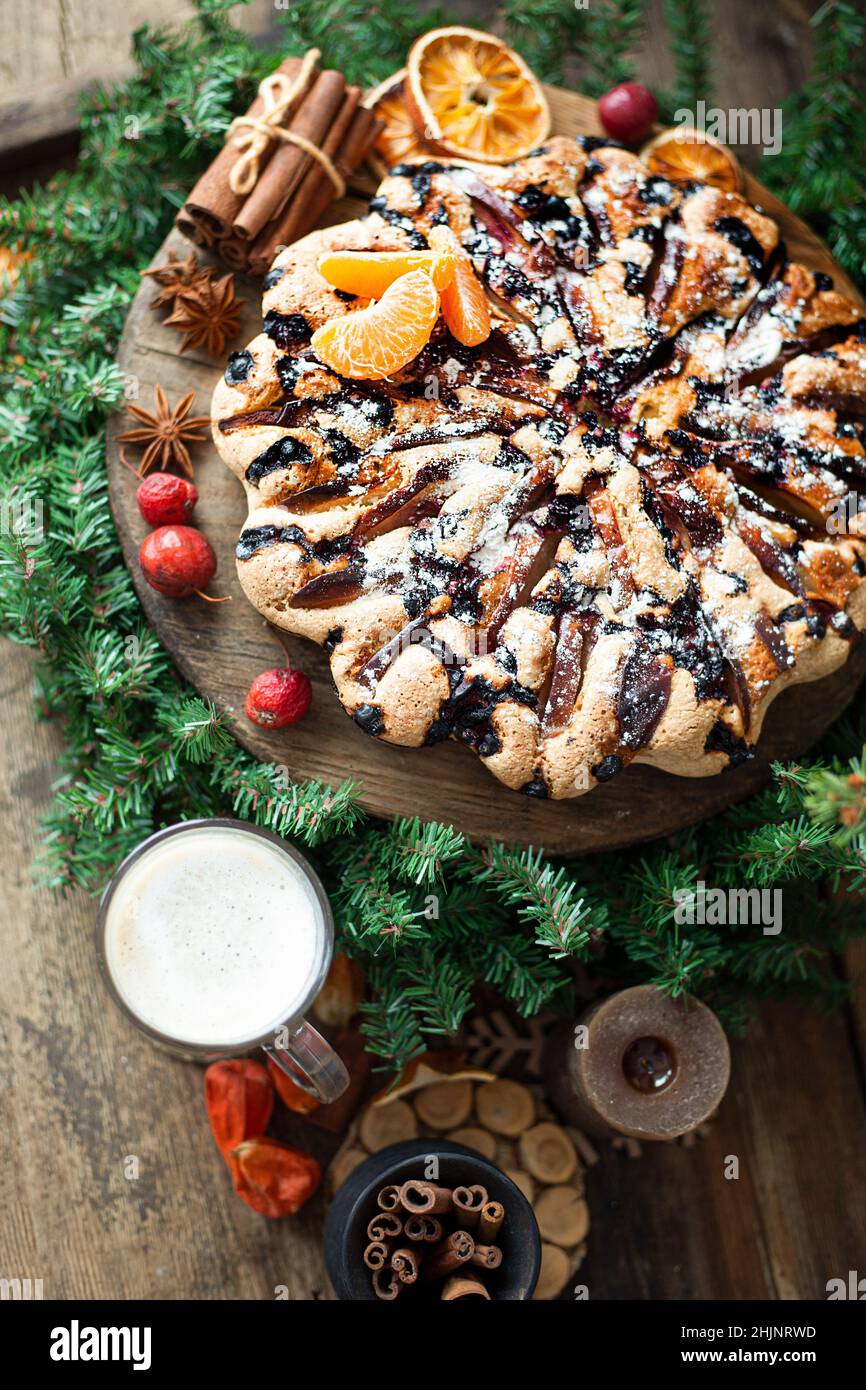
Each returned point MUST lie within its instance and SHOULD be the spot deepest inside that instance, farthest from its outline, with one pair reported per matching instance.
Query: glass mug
(213, 920)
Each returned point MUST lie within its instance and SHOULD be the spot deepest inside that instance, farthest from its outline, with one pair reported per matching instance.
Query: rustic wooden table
(82, 1095)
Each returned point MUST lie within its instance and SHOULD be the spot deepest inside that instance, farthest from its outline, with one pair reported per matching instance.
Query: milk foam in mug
(214, 937)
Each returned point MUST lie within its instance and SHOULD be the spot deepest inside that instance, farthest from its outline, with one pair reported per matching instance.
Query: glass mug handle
(308, 1060)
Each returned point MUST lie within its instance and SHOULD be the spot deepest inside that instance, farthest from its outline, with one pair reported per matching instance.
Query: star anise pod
(175, 275)
(207, 314)
(165, 432)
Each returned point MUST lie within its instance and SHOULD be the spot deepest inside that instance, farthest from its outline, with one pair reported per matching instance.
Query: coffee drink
(214, 937)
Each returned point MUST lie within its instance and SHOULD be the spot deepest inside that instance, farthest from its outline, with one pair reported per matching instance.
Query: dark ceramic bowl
(355, 1204)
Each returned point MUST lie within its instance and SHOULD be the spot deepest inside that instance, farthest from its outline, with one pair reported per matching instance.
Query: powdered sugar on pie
(611, 533)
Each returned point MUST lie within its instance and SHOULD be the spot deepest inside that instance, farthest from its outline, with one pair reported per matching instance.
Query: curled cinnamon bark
(233, 251)
(463, 1286)
(386, 1285)
(212, 204)
(487, 1256)
(469, 1203)
(376, 1254)
(456, 1250)
(424, 1228)
(425, 1197)
(411, 1237)
(388, 1198)
(318, 142)
(349, 136)
(406, 1264)
(385, 1226)
(289, 162)
(491, 1219)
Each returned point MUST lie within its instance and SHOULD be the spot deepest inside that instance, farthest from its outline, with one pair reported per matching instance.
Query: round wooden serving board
(221, 647)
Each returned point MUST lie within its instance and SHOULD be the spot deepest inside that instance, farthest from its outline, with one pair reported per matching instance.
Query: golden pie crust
(612, 533)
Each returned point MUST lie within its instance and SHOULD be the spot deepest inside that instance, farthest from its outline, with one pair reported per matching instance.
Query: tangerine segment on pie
(615, 529)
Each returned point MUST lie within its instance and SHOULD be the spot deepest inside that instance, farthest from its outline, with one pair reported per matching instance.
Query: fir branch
(469, 914)
(820, 169)
(544, 31)
(688, 24)
(75, 854)
(391, 1026)
(419, 851)
(382, 916)
(791, 849)
(365, 42)
(308, 811)
(103, 664)
(196, 729)
(439, 991)
(836, 801)
(510, 963)
(652, 888)
(545, 897)
(613, 31)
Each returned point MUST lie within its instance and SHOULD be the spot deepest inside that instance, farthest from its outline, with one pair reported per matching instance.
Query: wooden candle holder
(639, 1063)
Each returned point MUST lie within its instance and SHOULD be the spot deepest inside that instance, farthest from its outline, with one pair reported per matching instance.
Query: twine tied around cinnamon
(253, 136)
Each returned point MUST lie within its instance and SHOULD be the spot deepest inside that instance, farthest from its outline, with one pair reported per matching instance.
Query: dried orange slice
(372, 343)
(370, 273)
(464, 303)
(399, 141)
(682, 153)
(470, 95)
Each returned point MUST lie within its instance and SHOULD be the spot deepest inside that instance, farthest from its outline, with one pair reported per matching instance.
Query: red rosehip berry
(164, 499)
(627, 112)
(278, 698)
(177, 560)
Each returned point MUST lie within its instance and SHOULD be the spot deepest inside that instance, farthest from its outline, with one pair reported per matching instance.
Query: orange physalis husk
(464, 303)
(292, 1095)
(239, 1098)
(370, 273)
(369, 344)
(273, 1178)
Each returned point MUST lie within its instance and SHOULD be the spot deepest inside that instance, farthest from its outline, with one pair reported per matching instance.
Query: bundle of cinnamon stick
(282, 164)
(427, 1233)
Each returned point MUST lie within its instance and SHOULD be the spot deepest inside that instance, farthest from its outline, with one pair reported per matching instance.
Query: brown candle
(639, 1063)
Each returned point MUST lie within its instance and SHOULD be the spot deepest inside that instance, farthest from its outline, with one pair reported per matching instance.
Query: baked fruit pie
(612, 531)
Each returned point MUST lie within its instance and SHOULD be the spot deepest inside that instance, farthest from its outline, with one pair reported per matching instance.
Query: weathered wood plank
(54, 50)
(672, 1225)
(81, 1093)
